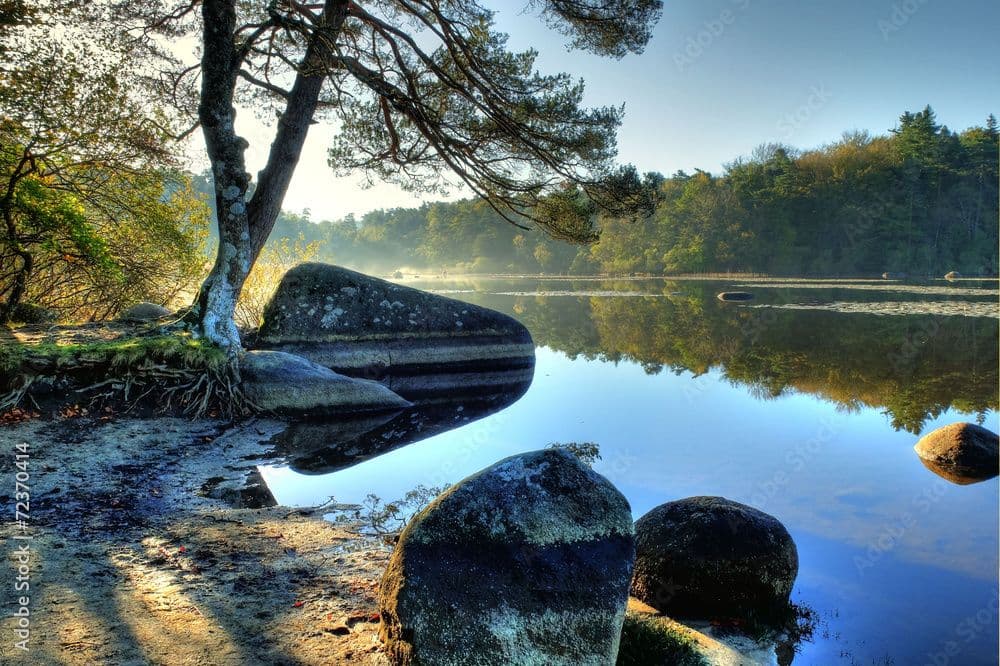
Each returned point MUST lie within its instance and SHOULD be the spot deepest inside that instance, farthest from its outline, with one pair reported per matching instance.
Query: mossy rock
(653, 641)
(355, 323)
(318, 302)
(526, 562)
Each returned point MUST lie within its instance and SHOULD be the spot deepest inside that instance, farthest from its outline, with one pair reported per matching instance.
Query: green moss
(129, 355)
(647, 641)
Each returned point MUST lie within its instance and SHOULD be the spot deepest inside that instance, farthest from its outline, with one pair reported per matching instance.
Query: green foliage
(920, 201)
(93, 219)
(389, 518)
(587, 452)
(59, 221)
(649, 641)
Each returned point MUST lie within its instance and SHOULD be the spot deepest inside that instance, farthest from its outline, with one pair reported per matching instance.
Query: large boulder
(709, 557)
(952, 275)
(963, 453)
(145, 312)
(349, 321)
(288, 384)
(526, 562)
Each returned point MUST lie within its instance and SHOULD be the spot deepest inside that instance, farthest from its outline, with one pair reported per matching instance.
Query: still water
(805, 402)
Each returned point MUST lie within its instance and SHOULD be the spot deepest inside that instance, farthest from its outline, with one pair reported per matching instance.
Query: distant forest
(921, 200)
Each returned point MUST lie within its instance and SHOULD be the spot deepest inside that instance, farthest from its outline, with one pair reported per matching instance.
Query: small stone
(145, 312)
(285, 383)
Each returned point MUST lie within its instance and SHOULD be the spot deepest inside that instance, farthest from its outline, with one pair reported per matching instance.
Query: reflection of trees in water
(913, 367)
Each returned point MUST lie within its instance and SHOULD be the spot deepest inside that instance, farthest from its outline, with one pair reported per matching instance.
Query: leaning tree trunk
(245, 225)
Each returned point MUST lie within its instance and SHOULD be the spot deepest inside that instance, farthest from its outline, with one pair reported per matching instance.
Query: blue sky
(723, 76)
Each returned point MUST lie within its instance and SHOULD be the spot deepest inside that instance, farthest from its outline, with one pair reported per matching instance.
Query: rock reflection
(961, 476)
(442, 402)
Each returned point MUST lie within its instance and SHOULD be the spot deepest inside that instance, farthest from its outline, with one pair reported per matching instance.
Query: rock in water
(288, 384)
(952, 275)
(735, 296)
(350, 321)
(709, 557)
(526, 562)
(963, 453)
(145, 312)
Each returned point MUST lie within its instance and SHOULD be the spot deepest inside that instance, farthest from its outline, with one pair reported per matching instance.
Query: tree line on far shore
(920, 200)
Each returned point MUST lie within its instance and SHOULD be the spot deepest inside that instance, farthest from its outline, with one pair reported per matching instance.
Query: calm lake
(804, 402)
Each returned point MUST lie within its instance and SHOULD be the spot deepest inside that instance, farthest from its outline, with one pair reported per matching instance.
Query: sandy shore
(132, 563)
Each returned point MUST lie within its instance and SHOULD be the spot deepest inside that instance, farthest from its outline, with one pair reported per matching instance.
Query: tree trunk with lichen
(245, 223)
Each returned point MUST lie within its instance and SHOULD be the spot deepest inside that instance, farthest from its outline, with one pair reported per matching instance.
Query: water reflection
(913, 367)
(958, 475)
(443, 401)
(809, 416)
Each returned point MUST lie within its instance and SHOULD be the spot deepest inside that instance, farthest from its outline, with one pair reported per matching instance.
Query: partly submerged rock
(709, 557)
(288, 384)
(526, 562)
(962, 453)
(144, 312)
(735, 296)
(349, 321)
(952, 275)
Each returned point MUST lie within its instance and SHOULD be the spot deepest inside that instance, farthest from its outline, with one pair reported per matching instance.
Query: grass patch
(648, 641)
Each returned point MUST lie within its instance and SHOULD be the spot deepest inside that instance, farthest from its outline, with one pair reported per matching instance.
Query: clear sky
(721, 77)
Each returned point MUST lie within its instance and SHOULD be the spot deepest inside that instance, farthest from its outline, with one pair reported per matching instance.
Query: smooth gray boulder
(346, 320)
(962, 453)
(710, 557)
(526, 562)
(145, 312)
(288, 384)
